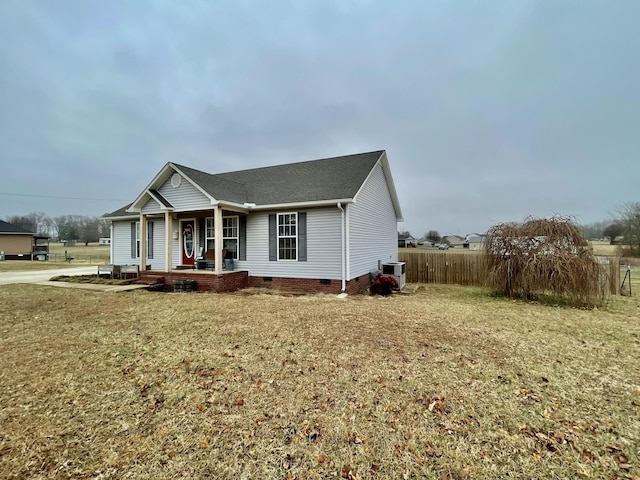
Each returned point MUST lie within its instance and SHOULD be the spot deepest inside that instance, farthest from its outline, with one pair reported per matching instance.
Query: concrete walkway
(96, 287)
(41, 277)
(35, 276)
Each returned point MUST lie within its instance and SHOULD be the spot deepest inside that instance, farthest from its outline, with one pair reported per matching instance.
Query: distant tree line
(80, 228)
(622, 229)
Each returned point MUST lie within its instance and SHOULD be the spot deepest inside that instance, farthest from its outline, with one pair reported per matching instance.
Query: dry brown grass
(446, 382)
(604, 248)
(80, 249)
(29, 266)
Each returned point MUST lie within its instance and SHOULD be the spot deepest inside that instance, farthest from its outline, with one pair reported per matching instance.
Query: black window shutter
(242, 240)
(150, 239)
(302, 236)
(273, 240)
(134, 250)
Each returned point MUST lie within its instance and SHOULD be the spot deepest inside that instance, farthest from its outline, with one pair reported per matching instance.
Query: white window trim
(278, 236)
(138, 239)
(206, 233)
(236, 238)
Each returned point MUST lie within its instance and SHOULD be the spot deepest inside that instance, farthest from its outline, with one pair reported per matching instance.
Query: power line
(62, 198)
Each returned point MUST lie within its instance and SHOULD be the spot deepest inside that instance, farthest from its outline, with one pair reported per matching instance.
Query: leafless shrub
(543, 256)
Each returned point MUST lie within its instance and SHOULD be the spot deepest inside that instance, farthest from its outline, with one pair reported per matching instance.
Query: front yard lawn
(447, 382)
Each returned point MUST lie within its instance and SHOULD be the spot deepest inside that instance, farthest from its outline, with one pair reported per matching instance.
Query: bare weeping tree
(543, 256)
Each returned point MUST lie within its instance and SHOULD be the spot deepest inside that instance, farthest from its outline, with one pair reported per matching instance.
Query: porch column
(168, 223)
(217, 223)
(143, 242)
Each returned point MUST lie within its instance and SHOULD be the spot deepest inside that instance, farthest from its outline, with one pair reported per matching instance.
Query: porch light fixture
(175, 235)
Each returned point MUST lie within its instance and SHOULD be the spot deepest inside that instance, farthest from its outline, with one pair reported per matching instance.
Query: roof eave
(159, 201)
(312, 204)
(384, 161)
(120, 217)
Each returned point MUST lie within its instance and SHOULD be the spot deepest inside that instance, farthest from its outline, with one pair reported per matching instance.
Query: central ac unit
(396, 270)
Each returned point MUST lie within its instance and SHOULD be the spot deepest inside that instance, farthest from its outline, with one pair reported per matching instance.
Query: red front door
(188, 235)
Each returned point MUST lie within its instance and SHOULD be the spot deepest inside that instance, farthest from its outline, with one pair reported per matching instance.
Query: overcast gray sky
(489, 110)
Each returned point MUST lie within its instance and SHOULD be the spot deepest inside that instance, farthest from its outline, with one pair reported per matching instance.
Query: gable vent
(176, 180)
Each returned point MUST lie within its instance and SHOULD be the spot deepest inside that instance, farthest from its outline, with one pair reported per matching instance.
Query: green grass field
(438, 382)
(80, 249)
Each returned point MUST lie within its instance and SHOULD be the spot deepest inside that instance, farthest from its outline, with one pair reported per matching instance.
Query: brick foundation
(311, 285)
(207, 282)
(232, 281)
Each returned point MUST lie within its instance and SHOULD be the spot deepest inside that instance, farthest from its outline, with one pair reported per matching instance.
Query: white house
(474, 241)
(405, 241)
(453, 240)
(320, 225)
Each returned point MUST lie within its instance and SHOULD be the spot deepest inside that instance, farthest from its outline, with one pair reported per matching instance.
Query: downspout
(347, 240)
(342, 248)
(111, 243)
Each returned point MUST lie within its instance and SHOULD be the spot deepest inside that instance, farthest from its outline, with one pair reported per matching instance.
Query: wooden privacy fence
(469, 269)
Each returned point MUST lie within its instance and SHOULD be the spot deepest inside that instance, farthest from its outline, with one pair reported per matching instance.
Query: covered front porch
(198, 280)
(204, 240)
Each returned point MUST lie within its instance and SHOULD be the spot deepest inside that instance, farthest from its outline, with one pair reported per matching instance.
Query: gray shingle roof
(335, 178)
(158, 196)
(121, 212)
(310, 181)
(6, 227)
(217, 186)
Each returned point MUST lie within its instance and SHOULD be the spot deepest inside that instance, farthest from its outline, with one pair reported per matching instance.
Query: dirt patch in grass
(446, 382)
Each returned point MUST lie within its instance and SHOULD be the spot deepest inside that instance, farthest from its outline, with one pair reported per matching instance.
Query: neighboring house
(452, 240)
(104, 241)
(320, 225)
(405, 241)
(617, 240)
(15, 241)
(474, 241)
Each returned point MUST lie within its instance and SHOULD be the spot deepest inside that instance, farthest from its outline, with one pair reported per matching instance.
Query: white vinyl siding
(323, 247)
(176, 258)
(121, 244)
(184, 198)
(157, 262)
(151, 207)
(373, 227)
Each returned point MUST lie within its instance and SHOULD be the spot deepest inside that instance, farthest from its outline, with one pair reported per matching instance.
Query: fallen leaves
(349, 473)
(436, 405)
(403, 410)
